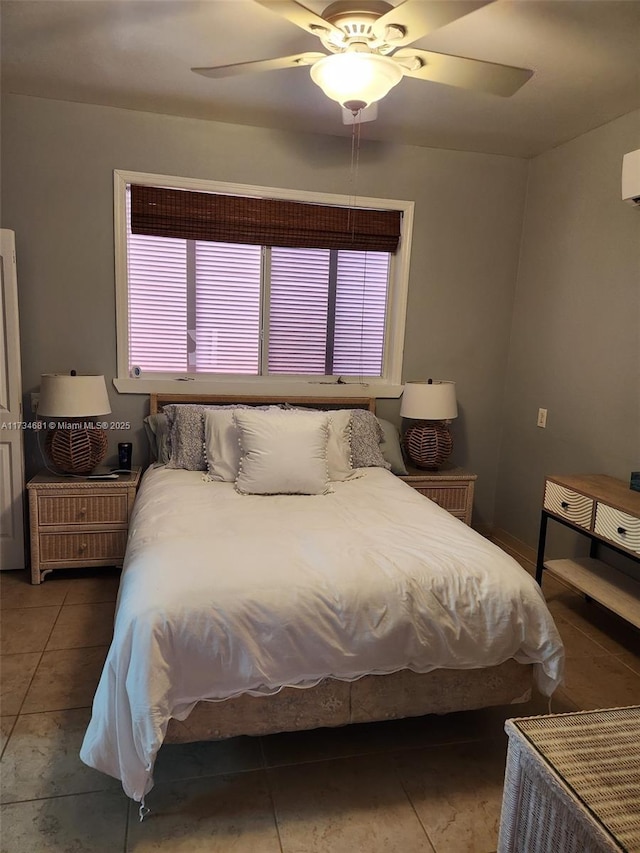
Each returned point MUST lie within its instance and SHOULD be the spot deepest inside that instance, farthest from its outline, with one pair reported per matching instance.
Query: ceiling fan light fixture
(355, 80)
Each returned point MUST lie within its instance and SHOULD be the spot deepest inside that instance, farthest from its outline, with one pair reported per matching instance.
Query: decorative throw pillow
(222, 445)
(282, 452)
(186, 433)
(391, 448)
(186, 436)
(366, 435)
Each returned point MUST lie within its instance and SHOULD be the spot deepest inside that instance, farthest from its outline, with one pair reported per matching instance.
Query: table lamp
(74, 443)
(432, 402)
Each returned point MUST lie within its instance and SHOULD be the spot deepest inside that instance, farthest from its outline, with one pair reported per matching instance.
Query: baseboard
(525, 555)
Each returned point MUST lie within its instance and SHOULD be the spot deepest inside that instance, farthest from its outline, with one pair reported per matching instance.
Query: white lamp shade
(429, 401)
(66, 396)
(356, 79)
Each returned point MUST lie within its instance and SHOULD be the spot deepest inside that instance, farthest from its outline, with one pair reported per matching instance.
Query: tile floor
(430, 784)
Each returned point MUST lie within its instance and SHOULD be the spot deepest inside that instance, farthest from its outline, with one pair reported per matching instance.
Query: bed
(241, 611)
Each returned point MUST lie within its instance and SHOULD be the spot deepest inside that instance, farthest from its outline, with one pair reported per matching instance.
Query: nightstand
(450, 488)
(78, 522)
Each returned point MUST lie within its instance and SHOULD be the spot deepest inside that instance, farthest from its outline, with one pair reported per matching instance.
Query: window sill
(284, 388)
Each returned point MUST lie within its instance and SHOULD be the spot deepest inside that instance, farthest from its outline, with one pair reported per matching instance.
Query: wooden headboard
(158, 401)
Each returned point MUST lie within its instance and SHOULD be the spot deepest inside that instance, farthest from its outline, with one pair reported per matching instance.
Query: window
(215, 311)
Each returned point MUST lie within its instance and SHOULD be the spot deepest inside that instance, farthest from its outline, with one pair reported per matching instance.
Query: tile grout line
(411, 803)
(274, 812)
(588, 636)
(37, 667)
(126, 826)
(55, 710)
(60, 796)
(2, 751)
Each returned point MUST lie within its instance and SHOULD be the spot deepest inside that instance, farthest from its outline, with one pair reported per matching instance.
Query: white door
(12, 555)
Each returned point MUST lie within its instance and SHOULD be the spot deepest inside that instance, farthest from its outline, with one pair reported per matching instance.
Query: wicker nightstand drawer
(61, 547)
(83, 509)
(450, 488)
(453, 498)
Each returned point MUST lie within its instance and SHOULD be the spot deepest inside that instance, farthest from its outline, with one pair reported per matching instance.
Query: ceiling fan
(368, 54)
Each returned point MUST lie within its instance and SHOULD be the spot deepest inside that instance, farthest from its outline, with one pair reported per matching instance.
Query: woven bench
(572, 783)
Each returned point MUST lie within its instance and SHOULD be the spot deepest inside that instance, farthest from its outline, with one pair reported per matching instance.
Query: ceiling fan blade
(416, 18)
(465, 73)
(301, 17)
(260, 65)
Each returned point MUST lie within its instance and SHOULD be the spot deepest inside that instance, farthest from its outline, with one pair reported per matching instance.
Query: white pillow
(282, 453)
(222, 446)
(339, 445)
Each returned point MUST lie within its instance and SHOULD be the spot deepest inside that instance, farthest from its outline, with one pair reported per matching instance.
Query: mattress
(224, 594)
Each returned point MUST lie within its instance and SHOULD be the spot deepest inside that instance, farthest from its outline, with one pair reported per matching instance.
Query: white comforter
(223, 594)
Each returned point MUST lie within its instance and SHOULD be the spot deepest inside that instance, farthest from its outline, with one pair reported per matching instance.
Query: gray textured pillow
(186, 436)
(157, 430)
(366, 435)
(187, 433)
(391, 448)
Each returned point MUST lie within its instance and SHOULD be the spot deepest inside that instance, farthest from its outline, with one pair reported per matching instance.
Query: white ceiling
(137, 54)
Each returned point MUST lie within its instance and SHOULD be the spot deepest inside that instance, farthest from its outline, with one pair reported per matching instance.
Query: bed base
(370, 699)
(335, 703)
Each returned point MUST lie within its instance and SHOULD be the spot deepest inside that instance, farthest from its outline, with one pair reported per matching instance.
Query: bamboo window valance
(216, 217)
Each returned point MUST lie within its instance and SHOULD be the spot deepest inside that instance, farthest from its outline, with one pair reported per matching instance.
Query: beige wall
(575, 343)
(57, 164)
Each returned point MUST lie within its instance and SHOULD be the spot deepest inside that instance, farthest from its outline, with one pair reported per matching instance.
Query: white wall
(57, 164)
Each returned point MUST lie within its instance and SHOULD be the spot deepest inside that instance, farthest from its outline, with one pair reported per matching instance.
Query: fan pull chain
(353, 180)
(353, 172)
(362, 310)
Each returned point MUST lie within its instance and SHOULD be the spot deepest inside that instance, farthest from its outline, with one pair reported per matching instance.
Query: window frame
(387, 385)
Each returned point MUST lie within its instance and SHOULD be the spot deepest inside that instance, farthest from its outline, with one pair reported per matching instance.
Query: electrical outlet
(542, 418)
(35, 399)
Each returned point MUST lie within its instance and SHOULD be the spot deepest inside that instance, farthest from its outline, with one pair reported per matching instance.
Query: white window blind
(298, 299)
(227, 316)
(157, 303)
(202, 307)
(361, 307)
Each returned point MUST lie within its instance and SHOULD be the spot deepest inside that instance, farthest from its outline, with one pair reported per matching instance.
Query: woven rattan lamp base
(428, 444)
(76, 450)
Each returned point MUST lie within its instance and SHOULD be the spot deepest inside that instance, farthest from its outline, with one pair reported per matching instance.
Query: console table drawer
(60, 547)
(618, 527)
(83, 509)
(576, 508)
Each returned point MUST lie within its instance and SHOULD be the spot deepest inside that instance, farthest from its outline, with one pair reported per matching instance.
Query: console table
(572, 783)
(606, 511)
